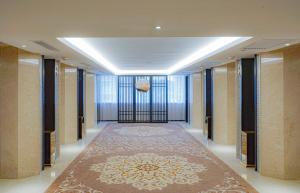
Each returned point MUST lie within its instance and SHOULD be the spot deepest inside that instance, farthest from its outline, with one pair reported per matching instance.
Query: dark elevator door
(50, 111)
(248, 109)
(80, 98)
(209, 103)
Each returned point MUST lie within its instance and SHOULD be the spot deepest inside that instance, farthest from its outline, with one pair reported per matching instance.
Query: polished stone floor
(227, 153)
(38, 184)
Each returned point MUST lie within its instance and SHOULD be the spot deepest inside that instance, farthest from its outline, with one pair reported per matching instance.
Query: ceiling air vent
(45, 45)
(267, 44)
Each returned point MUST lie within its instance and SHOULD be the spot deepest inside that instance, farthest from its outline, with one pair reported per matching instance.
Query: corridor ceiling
(122, 28)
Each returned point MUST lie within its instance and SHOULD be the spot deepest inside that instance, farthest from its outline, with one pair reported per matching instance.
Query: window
(108, 88)
(176, 98)
(176, 89)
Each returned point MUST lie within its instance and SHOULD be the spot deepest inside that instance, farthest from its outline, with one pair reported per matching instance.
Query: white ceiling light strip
(203, 53)
(87, 50)
(220, 44)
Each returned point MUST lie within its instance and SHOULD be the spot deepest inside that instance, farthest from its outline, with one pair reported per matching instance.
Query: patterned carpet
(148, 158)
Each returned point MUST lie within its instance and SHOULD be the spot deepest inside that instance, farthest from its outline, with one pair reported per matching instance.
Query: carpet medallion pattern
(152, 158)
(148, 171)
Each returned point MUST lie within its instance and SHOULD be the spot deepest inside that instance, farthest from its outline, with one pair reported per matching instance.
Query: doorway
(208, 102)
(248, 111)
(50, 142)
(81, 99)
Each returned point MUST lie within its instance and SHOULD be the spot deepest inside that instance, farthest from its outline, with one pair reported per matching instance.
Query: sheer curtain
(107, 98)
(176, 98)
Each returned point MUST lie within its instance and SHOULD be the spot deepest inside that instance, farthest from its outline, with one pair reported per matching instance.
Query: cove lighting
(218, 45)
(87, 50)
(204, 52)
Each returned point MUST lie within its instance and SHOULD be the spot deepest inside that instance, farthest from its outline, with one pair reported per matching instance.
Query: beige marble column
(220, 105)
(61, 103)
(8, 112)
(279, 110)
(232, 100)
(224, 104)
(292, 112)
(196, 101)
(90, 101)
(68, 104)
(20, 113)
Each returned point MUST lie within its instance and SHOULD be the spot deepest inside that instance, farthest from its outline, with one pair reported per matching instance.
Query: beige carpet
(148, 158)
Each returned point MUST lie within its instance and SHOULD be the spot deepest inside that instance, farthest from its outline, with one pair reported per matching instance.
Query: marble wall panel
(90, 101)
(196, 101)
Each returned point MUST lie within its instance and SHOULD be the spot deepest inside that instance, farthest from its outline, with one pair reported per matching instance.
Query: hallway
(135, 96)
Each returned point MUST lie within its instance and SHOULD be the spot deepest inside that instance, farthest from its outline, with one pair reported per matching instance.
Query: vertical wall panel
(142, 102)
(126, 106)
(68, 105)
(90, 101)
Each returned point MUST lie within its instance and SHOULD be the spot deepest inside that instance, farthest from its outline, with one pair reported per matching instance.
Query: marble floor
(39, 184)
(227, 153)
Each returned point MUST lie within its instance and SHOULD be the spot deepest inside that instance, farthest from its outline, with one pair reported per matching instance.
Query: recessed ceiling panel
(147, 53)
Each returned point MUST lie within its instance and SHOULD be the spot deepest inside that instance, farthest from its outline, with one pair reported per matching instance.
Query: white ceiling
(22, 22)
(147, 53)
